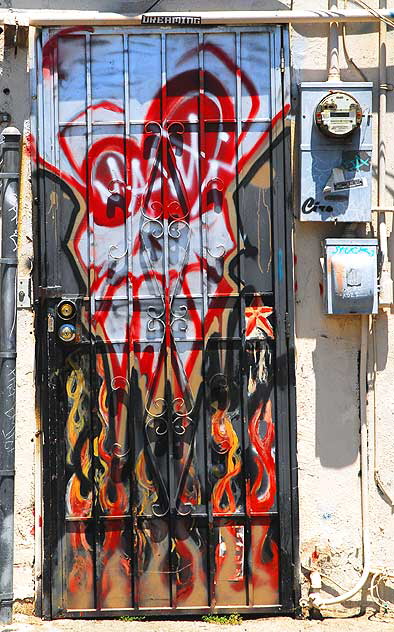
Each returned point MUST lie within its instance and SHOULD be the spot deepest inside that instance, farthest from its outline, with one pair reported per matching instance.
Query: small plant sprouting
(225, 619)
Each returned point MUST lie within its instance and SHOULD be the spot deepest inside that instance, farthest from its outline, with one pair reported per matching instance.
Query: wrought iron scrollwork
(166, 229)
(117, 451)
(113, 248)
(219, 394)
(174, 230)
(156, 423)
(155, 318)
(183, 513)
(155, 219)
(218, 255)
(181, 415)
(159, 403)
(180, 317)
(215, 187)
(119, 382)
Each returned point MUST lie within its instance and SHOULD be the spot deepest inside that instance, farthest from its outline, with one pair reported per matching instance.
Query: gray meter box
(350, 276)
(336, 173)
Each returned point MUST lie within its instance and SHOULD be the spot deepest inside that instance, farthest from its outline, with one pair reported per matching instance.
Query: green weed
(132, 618)
(225, 619)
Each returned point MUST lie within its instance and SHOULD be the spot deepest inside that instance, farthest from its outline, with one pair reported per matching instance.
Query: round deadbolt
(66, 310)
(67, 332)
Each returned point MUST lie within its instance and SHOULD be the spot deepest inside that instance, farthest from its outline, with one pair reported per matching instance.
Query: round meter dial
(338, 114)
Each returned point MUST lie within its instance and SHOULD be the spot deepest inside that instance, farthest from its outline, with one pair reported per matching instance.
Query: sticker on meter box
(350, 184)
(337, 182)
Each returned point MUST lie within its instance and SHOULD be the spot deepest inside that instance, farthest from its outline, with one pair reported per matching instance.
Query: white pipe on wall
(334, 73)
(48, 17)
(386, 284)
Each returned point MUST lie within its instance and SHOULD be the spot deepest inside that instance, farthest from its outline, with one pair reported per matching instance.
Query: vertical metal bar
(56, 162)
(38, 451)
(51, 151)
(286, 152)
(167, 304)
(241, 307)
(204, 272)
(133, 386)
(238, 96)
(59, 505)
(40, 135)
(281, 390)
(41, 353)
(8, 274)
(89, 144)
(129, 290)
(46, 153)
(92, 303)
(48, 276)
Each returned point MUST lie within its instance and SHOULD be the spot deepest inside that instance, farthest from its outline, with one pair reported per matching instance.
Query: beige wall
(327, 360)
(326, 347)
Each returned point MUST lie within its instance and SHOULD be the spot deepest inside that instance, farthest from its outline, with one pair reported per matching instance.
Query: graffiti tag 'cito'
(310, 205)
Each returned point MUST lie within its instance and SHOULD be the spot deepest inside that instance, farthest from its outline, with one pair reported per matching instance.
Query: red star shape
(258, 317)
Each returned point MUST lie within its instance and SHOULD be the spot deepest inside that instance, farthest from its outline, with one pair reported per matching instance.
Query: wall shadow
(337, 408)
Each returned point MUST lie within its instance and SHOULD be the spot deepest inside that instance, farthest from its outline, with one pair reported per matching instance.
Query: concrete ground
(370, 622)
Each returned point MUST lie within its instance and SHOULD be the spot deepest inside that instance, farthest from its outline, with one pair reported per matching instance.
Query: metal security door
(163, 300)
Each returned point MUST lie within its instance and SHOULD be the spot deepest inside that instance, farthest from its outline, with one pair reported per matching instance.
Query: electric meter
(335, 133)
(338, 114)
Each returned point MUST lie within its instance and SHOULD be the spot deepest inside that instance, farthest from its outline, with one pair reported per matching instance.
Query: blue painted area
(280, 265)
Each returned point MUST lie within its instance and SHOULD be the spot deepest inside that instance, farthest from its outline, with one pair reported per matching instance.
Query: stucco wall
(327, 361)
(327, 348)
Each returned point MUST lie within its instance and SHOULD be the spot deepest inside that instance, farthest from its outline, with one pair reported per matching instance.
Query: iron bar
(8, 279)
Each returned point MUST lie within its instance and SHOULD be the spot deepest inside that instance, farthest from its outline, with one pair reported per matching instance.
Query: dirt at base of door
(347, 621)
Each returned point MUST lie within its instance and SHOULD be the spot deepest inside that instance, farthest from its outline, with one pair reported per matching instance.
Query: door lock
(66, 310)
(67, 332)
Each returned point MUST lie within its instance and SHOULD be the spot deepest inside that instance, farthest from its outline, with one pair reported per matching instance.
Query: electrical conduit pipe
(48, 17)
(8, 272)
(386, 284)
(334, 73)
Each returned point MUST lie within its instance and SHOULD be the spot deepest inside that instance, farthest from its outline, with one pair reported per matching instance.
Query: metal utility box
(335, 169)
(350, 276)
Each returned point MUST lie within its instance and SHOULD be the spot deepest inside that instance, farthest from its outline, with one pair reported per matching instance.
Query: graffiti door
(162, 337)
